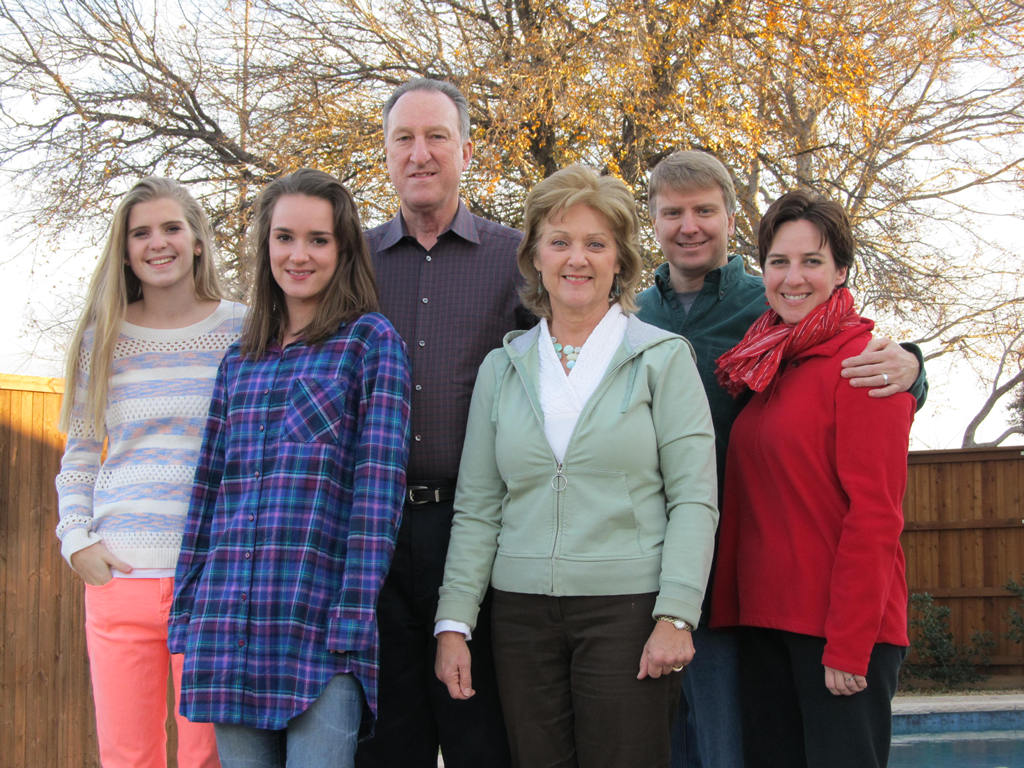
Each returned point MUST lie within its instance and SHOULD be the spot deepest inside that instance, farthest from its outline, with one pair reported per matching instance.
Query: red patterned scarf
(755, 361)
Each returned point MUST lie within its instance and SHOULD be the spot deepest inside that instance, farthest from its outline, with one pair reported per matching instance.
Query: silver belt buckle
(411, 499)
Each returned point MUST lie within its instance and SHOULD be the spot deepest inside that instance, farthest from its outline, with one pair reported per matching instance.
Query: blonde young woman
(140, 372)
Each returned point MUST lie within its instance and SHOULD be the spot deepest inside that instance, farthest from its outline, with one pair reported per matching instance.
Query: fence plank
(963, 525)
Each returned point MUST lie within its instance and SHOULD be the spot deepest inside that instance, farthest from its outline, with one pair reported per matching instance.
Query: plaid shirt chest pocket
(316, 411)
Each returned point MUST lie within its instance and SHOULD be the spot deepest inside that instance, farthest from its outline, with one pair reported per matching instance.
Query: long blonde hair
(113, 286)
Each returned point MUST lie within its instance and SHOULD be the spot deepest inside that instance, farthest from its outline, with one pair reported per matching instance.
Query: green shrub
(938, 657)
(1014, 618)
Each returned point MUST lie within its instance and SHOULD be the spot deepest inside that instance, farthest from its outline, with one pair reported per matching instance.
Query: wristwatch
(676, 622)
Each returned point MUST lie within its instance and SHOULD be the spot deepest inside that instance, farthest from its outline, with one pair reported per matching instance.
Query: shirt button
(261, 427)
(421, 343)
(256, 473)
(241, 643)
(248, 555)
(419, 387)
(417, 438)
(425, 300)
(244, 597)
(429, 258)
(252, 516)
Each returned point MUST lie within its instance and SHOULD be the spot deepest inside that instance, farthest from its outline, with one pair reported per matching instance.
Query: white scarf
(563, 396)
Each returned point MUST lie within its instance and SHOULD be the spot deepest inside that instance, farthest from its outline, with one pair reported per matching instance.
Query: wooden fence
(46, 707)
(964, 540)
(45, 702)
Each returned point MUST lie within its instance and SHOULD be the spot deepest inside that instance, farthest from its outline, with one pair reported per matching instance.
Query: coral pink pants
(126, 632)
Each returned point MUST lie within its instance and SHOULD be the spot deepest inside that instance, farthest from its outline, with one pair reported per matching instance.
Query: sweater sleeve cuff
(457, 606)
(76, 539)
(845, 662)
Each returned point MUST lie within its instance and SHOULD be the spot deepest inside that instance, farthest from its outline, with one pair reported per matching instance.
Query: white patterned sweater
(136, 499)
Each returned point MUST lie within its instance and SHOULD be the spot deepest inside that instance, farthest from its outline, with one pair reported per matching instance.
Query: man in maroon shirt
(447, 282)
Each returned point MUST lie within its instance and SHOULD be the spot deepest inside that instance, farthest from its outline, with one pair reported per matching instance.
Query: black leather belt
(429, 494)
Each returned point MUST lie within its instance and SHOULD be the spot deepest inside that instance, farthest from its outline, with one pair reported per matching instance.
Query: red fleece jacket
(810, 525)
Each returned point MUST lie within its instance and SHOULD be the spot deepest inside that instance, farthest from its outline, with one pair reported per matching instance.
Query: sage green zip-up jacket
(631, 509)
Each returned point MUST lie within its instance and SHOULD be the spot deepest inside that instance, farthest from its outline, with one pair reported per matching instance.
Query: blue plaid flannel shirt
(292, 525)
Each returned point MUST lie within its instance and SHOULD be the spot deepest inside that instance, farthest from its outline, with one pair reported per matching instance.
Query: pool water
(958, 749)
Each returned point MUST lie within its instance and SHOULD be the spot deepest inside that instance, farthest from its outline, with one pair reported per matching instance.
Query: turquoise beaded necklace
(567, 352)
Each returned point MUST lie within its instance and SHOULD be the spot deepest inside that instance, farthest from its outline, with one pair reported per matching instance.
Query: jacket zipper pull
(559, 480)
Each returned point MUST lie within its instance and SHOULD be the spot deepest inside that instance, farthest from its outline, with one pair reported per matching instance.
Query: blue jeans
(712, 734)
(325, 734)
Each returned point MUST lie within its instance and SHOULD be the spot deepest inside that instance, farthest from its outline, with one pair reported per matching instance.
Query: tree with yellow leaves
(897, 108)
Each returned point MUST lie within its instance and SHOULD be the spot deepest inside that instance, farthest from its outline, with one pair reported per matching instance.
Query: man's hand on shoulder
(884, 366)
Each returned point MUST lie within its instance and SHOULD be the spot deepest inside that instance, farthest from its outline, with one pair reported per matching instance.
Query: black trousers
(416, 714)
(567, 670)
(790, 719)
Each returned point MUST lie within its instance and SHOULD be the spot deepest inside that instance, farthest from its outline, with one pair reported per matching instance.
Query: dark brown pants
(567, 671)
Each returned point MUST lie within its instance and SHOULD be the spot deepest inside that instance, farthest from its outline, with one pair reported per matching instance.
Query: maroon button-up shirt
(452, 305)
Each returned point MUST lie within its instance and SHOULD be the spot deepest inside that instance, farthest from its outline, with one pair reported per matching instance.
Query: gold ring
(680, 668)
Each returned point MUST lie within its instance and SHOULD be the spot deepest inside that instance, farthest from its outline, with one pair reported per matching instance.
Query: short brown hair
(827, 216)
(352, 289)
(688, 170)
(608, 196)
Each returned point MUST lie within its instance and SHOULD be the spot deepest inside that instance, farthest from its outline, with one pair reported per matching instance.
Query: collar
(723, 277)
(561, 392)
(463, 224)
(521, 348)
(638, 337)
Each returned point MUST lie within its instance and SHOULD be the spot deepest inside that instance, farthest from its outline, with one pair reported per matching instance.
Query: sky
(43, 282)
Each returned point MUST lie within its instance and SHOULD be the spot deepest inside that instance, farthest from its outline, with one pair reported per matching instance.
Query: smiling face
(160, 245)
(303, 253)
(425, 153)
(693, 229)
(800, 272)
(578, 259)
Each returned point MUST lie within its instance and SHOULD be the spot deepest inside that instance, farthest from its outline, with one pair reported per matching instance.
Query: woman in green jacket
(586, 497)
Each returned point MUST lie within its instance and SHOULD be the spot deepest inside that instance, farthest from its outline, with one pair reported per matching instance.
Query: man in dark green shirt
(704, 294)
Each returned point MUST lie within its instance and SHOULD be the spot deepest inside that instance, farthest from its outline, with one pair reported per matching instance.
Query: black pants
(416, 714)
(567, 671)
(790, 719)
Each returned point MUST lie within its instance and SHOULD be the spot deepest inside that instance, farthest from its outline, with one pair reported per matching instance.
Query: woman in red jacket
(809, 558)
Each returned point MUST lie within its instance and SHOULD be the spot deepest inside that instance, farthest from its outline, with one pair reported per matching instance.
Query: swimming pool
(958, 749)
